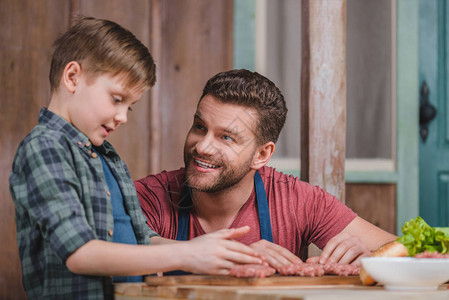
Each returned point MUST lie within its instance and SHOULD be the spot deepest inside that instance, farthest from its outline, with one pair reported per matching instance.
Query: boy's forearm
(101, 258)
(157, 240)
(214, 253)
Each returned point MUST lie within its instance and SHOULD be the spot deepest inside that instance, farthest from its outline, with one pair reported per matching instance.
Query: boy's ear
(71, 76)
(263, 155)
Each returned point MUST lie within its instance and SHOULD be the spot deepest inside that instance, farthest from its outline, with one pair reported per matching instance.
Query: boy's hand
(216, 253)
(275, 255)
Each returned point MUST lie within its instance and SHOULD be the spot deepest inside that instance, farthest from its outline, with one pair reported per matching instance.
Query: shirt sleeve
(47, 192)
(158, 204)
(150, 205)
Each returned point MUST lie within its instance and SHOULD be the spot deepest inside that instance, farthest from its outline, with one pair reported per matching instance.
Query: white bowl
(407, 273)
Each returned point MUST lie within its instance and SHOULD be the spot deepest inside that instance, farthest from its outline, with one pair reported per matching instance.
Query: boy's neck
(58, 105)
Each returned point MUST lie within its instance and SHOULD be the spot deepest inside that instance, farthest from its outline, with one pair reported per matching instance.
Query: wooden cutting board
(276, 280)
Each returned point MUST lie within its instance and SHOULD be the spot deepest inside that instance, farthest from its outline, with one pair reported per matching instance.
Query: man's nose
(206, 145)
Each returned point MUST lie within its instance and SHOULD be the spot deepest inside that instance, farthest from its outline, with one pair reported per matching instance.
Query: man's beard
(227, 178)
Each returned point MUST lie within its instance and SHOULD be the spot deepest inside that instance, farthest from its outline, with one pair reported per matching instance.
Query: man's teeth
(205, 165)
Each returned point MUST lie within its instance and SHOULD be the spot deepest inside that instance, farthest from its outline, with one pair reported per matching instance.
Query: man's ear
(263, 155)
(71, 76)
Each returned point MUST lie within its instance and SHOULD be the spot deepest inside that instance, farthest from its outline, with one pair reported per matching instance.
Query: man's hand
(356, 240)
(217, 253)
(342, 248)
(275, 255)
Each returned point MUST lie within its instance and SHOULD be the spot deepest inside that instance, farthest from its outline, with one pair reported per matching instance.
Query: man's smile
(205, 165)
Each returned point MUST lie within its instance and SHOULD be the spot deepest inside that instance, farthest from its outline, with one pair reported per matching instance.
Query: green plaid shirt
(62, 201)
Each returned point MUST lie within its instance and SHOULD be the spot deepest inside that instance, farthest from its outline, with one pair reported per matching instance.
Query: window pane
(283, 67)
(369, 78)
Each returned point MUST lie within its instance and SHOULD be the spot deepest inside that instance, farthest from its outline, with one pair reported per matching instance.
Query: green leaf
(418, 237)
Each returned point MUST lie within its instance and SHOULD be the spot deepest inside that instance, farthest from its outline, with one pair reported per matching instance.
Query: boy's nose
(121, 116)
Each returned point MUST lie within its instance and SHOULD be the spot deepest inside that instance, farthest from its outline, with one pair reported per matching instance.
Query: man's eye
(117, 100)
(228, 138)
(198, 126)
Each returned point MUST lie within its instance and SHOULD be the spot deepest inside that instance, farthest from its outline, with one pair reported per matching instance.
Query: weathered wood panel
(190, 42)
(28, 31)
(323, 94)
(156, 96)
(375, 203)
(197, 44)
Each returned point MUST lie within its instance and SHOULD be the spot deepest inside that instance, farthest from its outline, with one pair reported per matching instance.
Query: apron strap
(263, 209)
(185, 206)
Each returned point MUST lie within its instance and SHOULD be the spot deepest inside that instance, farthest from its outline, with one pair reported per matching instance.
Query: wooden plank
(133, 291)
(276, 280)
(323, 94)
(156, 96)
(196, 44)
(375, 203)
(28, 30)
(132, 141)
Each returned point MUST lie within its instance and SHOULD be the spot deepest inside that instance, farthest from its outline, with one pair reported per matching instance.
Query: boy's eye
(117, 100)
(130, 108)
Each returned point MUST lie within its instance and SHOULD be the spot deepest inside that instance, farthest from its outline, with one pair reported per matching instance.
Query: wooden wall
(25, 37)
(375, 203)
(190, 41)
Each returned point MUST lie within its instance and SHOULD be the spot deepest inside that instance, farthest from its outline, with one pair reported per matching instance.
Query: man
(225, 183)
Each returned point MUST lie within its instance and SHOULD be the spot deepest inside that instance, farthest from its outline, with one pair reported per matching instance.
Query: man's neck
(217, 211)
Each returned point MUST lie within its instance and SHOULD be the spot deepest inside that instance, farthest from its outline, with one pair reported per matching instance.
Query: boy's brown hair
(252, 90)
(102, 46)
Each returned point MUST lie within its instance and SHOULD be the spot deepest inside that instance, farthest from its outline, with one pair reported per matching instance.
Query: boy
(78, 217)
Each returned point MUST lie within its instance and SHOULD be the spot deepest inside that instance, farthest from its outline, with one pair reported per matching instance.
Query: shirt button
(87, 144)
(94, 155)
(110, 232)
(108, 193)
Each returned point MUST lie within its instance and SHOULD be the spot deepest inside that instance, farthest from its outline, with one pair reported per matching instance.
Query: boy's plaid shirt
(62, 201)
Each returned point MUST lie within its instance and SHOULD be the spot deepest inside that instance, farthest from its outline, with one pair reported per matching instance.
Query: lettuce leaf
(418, 237)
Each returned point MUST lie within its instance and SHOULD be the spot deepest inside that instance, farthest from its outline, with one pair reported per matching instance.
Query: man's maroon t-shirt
(300, 213)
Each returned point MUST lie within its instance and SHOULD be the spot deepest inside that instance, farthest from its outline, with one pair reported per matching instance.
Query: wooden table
(285, 288)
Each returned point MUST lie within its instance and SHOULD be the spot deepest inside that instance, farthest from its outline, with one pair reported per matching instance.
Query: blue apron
(263, 211)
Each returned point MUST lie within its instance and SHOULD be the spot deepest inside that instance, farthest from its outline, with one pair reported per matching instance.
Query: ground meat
(341, 269)
(256, 271)
(302, 269)
(313, 269)
(427, 254)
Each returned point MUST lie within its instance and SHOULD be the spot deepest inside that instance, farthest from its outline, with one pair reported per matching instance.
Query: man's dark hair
(252, 90)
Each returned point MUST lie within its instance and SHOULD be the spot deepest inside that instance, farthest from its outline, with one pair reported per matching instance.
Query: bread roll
(392, 249)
